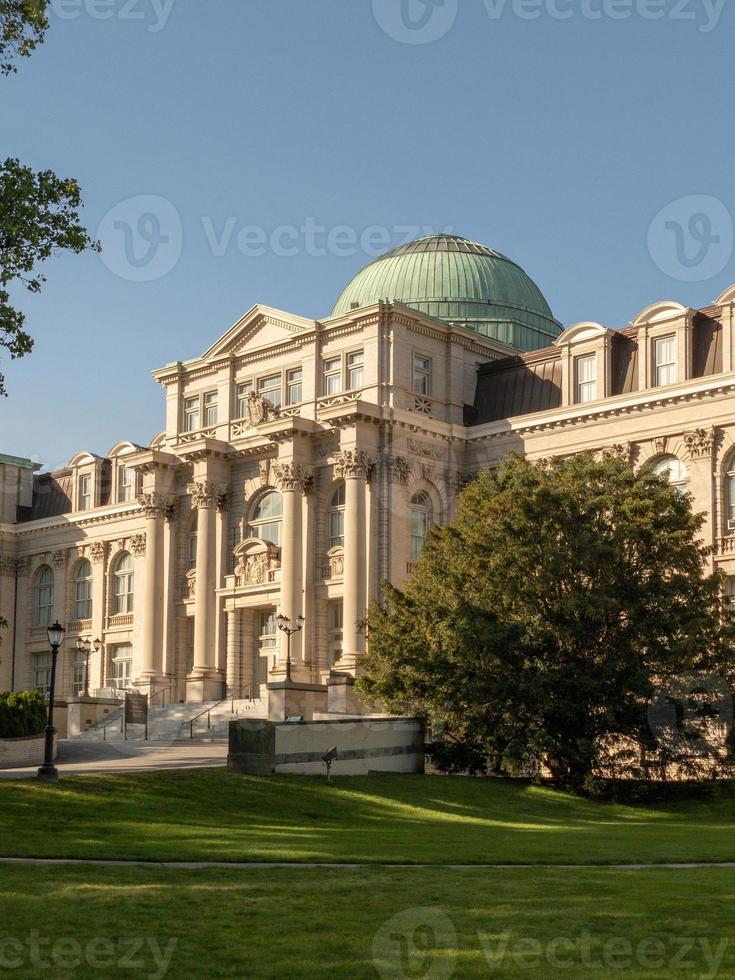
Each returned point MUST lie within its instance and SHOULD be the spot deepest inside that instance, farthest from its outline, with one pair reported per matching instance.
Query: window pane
(294, 386)
(586, 368)
(270, 388)
(421, 374)
(333, 376)
(243, 390)
(355, 363)
(210, 408)
(191, 414)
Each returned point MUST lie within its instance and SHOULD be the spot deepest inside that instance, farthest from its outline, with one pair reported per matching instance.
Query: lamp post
(284, 625)
(48, 770)
(85, 648)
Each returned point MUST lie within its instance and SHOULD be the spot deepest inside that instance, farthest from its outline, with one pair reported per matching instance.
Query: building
(301, 462)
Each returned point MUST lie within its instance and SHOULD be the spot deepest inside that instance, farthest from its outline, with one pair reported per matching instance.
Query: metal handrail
(112, 721)
(232, 696)
(161, 690)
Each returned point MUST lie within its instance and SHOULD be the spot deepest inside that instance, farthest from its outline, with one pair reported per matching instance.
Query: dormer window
(85, 492)
(126, 488)
(586, 378)
(664, 360)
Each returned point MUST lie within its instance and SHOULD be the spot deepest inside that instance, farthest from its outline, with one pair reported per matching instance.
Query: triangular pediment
(259, 327)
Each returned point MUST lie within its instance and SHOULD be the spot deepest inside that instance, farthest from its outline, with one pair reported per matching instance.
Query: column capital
(155, 505)
(205, 493)
(353, 463)
(292, 476)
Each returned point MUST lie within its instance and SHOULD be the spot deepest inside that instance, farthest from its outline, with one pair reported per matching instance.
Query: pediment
(260, 327)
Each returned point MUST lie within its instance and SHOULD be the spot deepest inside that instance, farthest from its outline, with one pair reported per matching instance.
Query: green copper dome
(460, 282)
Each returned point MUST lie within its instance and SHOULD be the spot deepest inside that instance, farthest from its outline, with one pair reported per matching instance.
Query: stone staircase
(170, 724)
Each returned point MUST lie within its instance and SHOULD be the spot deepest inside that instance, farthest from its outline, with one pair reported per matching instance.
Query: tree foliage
(23, 24)
(537, 627)
(38, 216)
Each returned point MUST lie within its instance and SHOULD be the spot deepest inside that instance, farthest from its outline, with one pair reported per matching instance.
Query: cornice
(102, 515)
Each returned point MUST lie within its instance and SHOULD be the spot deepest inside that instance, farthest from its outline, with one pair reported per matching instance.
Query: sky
(263, 151)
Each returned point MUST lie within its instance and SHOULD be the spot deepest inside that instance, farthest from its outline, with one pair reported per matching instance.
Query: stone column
(234, 651)
(353, 465)
(155, 507)
(205, 681)
(292, 479)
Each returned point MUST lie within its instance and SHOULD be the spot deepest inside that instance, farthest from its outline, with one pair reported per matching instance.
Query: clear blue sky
(556, 141)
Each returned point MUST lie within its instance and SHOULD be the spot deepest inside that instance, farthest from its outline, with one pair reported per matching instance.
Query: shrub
(22, 713)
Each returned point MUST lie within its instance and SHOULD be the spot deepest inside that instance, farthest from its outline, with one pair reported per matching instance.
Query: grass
(313, 923)
(214, 814)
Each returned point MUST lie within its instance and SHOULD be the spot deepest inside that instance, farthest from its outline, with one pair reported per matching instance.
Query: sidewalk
(87, 758)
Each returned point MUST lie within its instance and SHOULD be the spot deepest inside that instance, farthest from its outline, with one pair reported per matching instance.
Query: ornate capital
(353, 463)
(204, 493)
(8, 565)
(58, 559)
(292, 476)
(456, 481)
(137, 545)
(97, 551)
(399, 469)
(155, 505)
(700, 442)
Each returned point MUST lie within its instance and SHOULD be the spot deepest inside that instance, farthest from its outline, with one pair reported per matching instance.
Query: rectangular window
(270, 388)
(210, 408)
(85, 491)
(333, 376)
(78, 671)
(586, 372)
(121, 668)
(244, 389)
(355, 372)
(421, 375)
(293, 386)
(83, 598)
(334, 630)
(664, 358)
(42, 673)
(127, 484)
(191, 414)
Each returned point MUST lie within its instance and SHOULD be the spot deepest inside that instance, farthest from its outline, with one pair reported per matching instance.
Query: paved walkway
(360, 865)
(84, 758)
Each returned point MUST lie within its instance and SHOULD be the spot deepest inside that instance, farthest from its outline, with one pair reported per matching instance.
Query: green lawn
(202, 814)
(409, 923)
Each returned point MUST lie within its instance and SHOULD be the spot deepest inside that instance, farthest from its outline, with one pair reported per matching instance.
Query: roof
(458, 281)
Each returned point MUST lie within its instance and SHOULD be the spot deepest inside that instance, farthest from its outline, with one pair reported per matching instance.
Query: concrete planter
(18, 752)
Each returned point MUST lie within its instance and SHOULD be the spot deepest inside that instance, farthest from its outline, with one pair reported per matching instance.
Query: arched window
(191, 548)
(44, 606)
(336, 518)
(420, 520)
(266, 520)
(122, 585)
(730, 493)
(674, 471)
(83, 591)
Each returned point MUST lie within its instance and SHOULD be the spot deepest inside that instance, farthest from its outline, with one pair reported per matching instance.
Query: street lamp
(48, 770)
(84, 647)
(284, 625)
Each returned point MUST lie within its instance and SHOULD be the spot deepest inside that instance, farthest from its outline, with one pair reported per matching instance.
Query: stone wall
(364, 745)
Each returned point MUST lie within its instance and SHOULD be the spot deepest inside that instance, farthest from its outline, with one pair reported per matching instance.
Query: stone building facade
(301, 462)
